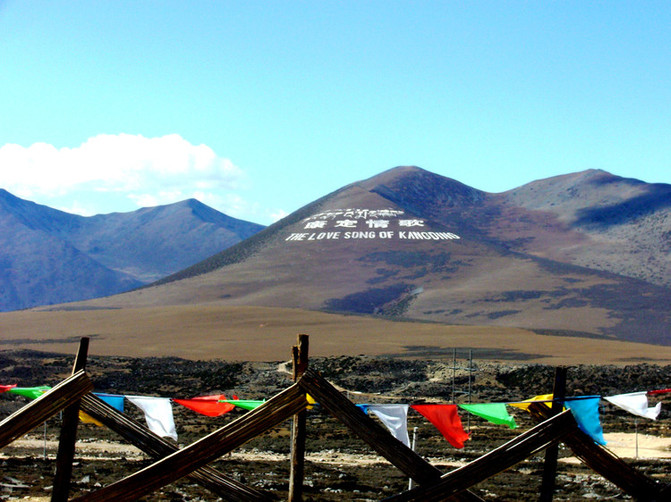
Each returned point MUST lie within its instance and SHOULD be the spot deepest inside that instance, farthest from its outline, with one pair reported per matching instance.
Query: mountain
(49, 256)
(564, 255)
(620, 225)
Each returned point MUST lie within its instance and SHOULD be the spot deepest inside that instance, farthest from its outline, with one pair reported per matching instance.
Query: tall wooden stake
(552, 453)
(68, 436)
(298, 430)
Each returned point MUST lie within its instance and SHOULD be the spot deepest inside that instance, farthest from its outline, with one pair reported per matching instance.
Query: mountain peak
(51, 256)
(576, 191)
(422, 192)
(412, 243)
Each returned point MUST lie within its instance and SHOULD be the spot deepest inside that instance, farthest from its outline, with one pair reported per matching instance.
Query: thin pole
(470, 373)
(414, 442)
(454, 371)
(636, 436)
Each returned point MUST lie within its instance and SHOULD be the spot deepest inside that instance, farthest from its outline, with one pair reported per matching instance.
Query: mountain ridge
(411, 244)
(456, 206)
(414, 245)
(50, 256)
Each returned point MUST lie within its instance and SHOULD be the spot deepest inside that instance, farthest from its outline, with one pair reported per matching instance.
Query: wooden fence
(170, 463)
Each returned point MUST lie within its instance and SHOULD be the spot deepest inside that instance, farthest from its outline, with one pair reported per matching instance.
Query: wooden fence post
(273, 412)
(372, 432)
(68, 437)
(298, 429)
(137, 434)
(497, 460)
(552, 453)
(606, 463)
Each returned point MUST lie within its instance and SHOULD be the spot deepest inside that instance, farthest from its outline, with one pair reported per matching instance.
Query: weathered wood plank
(373, 433)
(134, 432)
(552, 453)
(497, 460)
(367, 429)
(606, 463)
(68, 436)
(299, 424)
(177, 465)
(44, 407)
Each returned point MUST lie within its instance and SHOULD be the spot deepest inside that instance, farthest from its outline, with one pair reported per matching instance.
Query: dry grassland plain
(207, 332)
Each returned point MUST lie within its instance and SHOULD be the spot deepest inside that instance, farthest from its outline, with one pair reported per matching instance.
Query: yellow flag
(524, 405)
(88, 419)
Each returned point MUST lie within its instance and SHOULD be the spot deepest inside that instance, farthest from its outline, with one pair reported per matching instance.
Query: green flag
(31, 392)
(497, 413)
(247, 404)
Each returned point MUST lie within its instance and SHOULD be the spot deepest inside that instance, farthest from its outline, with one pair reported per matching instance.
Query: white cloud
(278, 214)
(148, 171)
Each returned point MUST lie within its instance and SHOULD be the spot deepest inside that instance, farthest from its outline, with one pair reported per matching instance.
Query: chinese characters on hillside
(345, 224)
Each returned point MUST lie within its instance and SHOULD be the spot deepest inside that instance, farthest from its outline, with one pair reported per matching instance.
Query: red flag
(207, 405)
(5, 388)
(445, 418)
(660, 391)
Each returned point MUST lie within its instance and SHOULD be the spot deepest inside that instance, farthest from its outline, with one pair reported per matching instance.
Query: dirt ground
(333, 475)
(260, 334)
(339, 466)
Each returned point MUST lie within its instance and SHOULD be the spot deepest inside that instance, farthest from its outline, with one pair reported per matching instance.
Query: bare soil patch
(211, 331)
(339, 465)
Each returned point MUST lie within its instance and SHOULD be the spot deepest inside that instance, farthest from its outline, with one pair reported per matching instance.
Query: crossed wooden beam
(171, 463)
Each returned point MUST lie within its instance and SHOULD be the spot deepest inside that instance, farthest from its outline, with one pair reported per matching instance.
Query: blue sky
(258, 108)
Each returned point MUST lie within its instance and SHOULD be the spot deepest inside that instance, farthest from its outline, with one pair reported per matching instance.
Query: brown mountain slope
(624, 225)
(409, 243)
(210, 331)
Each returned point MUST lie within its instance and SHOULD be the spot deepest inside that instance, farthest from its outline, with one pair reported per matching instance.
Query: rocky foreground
(339, 465)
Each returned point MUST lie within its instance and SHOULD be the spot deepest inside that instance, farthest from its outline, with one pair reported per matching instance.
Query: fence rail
(172, 463)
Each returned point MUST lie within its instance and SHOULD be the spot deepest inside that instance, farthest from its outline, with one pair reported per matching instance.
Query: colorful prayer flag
(114, 400)
(88, 419)
(211, 406)
(636, 403)
(157, 413)
(586, 412)
(546, 399)
(446, 419)
(496, 413)
(658, 391)
(247, 404)
(29, 392)
(395, 417)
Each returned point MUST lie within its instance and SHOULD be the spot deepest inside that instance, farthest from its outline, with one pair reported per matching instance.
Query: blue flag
(586, 412)
(114, 400)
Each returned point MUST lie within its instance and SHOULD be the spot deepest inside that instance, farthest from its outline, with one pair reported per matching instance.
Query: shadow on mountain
(371, 301)
(658, 197)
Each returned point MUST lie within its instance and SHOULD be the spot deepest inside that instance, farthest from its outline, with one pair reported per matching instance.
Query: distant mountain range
(49, 256)
(583, 254)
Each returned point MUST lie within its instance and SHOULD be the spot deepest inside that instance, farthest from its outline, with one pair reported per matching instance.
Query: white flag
(395, 417)
(157, 413)
(636, 403)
